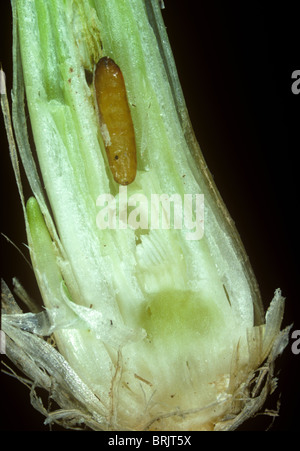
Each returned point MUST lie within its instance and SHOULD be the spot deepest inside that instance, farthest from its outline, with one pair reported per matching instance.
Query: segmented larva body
(115, 121)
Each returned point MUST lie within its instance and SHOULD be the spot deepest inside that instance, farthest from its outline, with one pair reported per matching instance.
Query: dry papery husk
(242, 393)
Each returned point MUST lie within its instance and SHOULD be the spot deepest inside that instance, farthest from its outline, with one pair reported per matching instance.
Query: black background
(235, 61)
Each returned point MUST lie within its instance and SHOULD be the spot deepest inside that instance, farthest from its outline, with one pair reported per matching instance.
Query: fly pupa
(116, 122)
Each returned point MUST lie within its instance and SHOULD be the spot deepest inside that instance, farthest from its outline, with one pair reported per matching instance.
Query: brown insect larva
(116, 122)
